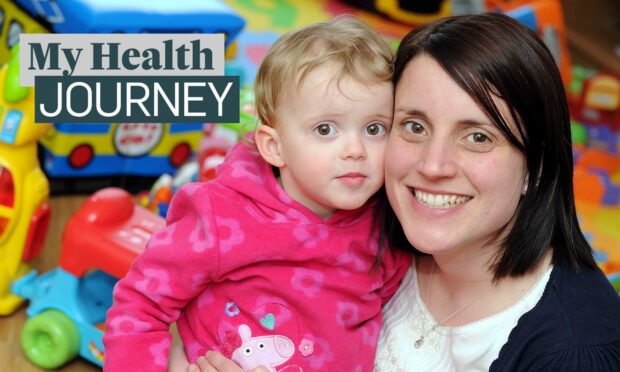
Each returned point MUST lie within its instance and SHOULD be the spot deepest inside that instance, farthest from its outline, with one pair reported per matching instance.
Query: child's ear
(268, 144)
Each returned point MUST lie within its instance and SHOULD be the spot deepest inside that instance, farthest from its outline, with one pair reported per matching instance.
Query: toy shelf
(593, 30)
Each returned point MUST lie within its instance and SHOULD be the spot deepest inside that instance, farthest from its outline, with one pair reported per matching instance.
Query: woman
(479, 176)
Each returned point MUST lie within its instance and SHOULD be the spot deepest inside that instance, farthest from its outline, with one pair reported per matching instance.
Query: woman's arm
(211, 362)
(177, 360)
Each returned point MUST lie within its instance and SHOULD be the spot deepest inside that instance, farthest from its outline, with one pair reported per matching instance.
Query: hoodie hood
(246, 172)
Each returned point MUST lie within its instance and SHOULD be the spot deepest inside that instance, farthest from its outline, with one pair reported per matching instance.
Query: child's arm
(171, 272)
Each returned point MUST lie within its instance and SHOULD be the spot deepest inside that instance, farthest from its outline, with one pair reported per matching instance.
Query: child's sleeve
(395, 266)
(174, 268)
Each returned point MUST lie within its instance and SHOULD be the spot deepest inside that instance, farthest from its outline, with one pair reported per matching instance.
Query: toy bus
(146, 149)
(143, 149)
(137, 16)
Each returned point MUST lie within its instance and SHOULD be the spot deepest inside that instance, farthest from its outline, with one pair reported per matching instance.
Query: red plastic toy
(114, 229)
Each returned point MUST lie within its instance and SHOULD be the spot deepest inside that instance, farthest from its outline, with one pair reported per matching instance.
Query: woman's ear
(525, 183)
(268, 144)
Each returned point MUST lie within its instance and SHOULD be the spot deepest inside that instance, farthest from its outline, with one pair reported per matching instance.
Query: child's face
(332, 141)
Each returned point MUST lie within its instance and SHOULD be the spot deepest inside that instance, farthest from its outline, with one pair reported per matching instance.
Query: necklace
(420, 340)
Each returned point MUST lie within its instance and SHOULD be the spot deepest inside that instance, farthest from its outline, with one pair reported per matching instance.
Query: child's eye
(375, 129)
(325, 129)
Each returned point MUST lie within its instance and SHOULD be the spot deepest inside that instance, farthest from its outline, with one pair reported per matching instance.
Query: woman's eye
(325, 129)
(478, 137)
(375, 129)
(414, 127)
(480, 142)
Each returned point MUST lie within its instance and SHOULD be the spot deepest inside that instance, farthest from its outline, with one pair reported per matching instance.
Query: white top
(470, 347)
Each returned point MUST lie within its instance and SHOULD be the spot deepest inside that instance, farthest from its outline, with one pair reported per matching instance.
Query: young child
(278, 268)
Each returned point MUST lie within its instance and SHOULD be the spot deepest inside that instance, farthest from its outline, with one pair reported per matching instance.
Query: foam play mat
(267, 20)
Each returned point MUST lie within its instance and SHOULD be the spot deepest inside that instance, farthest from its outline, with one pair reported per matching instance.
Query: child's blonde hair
(358, 51)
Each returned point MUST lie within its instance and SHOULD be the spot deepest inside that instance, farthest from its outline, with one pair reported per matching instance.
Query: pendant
(419, 342)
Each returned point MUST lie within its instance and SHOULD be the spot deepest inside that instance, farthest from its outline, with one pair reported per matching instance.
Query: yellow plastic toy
(396, 10)
(24, 190)
(13, 22)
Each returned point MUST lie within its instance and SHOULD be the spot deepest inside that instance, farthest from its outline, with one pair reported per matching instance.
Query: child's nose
(354, 148)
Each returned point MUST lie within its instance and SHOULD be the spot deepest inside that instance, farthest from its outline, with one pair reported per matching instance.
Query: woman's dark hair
(491, 55)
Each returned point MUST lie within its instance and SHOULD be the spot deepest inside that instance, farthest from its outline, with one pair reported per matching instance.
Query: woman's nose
(437, 160)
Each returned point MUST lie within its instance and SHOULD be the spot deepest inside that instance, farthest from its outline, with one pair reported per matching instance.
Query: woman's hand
(216, 362)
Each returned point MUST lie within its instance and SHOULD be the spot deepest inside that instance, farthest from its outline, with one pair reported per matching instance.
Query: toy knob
(109, 205)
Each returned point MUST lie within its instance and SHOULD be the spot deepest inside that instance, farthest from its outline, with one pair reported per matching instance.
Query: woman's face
(452, 178)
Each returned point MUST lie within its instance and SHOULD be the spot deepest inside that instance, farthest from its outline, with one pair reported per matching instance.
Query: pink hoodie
(252, 273)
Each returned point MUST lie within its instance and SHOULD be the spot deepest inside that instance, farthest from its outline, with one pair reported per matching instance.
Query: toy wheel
(50, 339)
(81, 156)
(179, 154)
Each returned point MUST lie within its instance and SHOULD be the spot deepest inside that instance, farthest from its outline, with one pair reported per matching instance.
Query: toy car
(68, 304)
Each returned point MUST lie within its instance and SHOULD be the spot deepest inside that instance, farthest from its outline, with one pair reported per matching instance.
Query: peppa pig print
(268, 351)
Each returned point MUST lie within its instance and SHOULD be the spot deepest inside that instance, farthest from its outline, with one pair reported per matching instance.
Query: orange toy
(549, 25)
(593, 158)
(588, 187)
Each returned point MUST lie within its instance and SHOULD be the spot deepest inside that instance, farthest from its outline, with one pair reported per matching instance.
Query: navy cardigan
(575, 326)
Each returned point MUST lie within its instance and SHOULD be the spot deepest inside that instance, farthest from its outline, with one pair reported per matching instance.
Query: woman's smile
(439, 200)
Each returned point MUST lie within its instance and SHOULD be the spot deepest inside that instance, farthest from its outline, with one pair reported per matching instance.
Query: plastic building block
(588, 186)
(579, 134)
(593, 158)
(599, 103)
(601, 137)
(545, 17)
